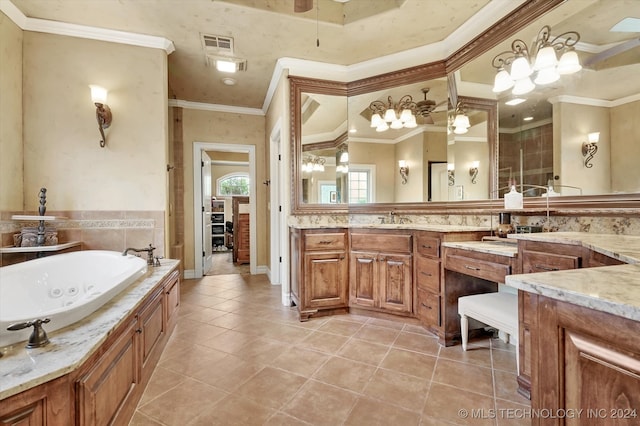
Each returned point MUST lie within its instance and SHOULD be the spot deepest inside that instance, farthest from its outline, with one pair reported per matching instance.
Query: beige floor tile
(375, 334)
(321, 404)
(507, 387)
(205, 314)
(399, 389)
(363, 351)
(395, 325)
(230, 341)
(480, 356)
(162, 380)
(323, 342)
(140, 419)
(465, 376)
(408, 362)
(228, 373)
(287, 333)
(281, 419)
(511, 414)
(372, 412)
(261, 350)
(299, 361)
(458, 406)
(345, 373)
(233, 411)
(182, 403)
(424, 343)
(271, 387)
(343, 328)
(194, 360)
(504, 360)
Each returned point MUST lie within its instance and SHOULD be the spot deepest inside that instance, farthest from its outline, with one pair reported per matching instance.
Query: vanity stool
(498, 310)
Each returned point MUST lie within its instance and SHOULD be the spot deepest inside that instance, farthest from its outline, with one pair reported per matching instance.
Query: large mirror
(548, 153)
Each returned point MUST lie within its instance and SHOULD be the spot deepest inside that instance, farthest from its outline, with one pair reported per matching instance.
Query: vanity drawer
(428, 310)
(427, 246)
(489, 271)
(428, 274)
(535, 261)
(395, 243)
(325, 241)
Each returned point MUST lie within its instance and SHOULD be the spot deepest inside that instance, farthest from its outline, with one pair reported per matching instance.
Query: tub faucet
(38, 337)
(149, 250)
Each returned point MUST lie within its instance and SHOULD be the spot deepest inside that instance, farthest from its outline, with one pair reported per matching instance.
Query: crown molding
(214, 107)
(595, 102)
(82, 31)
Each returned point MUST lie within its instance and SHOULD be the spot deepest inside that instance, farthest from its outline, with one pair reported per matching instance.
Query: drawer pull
(426, 246)
(473, 268)
(545, 268)
(426, 274)
(324, 242)
(428, 307)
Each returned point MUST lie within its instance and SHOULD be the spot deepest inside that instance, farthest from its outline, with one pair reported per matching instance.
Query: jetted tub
(64, 288)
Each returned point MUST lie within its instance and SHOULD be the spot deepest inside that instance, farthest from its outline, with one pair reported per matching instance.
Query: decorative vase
(505, 227)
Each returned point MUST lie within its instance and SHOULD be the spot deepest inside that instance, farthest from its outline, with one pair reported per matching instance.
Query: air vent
(217, 44)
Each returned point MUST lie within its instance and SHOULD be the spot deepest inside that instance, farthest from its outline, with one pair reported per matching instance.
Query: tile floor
(222, 264)
(238, 357)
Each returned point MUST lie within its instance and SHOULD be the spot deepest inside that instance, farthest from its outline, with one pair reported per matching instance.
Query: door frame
(198, 147)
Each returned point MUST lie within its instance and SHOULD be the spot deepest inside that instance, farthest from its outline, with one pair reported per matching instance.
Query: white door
(439, 182)
(207, 257)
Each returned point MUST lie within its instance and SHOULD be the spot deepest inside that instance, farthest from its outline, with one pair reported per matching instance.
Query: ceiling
(264, 30)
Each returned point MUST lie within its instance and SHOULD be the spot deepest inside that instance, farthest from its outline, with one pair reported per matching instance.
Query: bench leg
(464, 331)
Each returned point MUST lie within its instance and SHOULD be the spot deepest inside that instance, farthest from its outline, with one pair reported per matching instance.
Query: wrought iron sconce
(451, 174)
(103, 112)
(473, 171)
(590, 148)
(404, 171)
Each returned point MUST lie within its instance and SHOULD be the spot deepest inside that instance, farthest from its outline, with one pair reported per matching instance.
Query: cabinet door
(105, 388)
(151, 325)
(326, 278)
(363, 279)
(396, 282)
(172, 301)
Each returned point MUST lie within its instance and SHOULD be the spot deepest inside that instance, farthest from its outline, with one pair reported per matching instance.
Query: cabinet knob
(139, 331)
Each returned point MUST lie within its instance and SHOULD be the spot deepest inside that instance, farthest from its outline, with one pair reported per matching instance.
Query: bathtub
(64, 288)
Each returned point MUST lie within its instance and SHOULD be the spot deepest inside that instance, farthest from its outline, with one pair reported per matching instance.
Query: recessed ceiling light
(515, 101)
(353, 130)
(529, 118)
(225, 66)
(229, 81)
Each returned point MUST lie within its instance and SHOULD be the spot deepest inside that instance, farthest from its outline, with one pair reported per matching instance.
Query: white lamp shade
(475, 164)
(98, 94)
(502, 81)
(396, 124)
(460, 130)
(547, 76)
(523, 86)
(344, 157)
(569, 63)
(376, 120)
(594, 137)
(450, 166)
(520, 68)
(402, 163)
(406, 115)
(411, 123)
(546, 58)
(461, 121)
(382, 127)
(390, 115)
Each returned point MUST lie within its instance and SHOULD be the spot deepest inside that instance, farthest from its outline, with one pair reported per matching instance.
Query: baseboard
(189, 274)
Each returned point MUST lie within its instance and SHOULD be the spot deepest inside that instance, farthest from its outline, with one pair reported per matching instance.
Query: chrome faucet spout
(149, 250)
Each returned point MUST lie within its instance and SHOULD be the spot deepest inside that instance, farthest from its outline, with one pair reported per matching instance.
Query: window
(361, 187)
(233, 184)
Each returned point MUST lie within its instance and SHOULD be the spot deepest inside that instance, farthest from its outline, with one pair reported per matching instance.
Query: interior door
(207, 258)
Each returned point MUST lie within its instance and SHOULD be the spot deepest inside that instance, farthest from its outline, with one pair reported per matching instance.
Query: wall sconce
(103, 112)
(451, 173)
(590, 148)
(404, 170)
(473, 171)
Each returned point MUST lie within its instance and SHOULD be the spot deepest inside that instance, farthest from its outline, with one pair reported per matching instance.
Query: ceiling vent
(217, 44)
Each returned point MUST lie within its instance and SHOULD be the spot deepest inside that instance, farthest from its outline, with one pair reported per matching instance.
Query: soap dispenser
(513, 199)
(505, 227)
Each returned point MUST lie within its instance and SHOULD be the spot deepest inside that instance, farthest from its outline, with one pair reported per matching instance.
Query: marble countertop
(492, 247)
(625, 248)
(400, 226)
(612, 289)
(22, 369)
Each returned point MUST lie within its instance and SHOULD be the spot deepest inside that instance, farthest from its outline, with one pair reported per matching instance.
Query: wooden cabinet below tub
(319, 271)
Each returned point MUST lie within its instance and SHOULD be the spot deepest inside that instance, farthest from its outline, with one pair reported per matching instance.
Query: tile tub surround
(97, 230)
(612, 289)
(22, 369)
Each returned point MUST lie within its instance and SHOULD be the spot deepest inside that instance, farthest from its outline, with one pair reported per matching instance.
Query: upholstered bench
(498, 310)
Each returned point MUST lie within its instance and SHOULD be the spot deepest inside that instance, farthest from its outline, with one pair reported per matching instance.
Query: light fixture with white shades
(516, 67)
(392, 115)
(313, 164)
(460, 122)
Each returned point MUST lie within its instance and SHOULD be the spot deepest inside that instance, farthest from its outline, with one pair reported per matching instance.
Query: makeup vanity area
(414, 240)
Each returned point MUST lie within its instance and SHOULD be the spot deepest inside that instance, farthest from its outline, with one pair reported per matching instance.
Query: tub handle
(38, 337)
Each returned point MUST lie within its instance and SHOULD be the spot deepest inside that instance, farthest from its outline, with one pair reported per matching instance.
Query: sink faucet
(149, 250)
(392, 216)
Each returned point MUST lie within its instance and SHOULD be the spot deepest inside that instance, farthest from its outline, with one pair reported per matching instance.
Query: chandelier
(516, 67)
(393, 115)
(313, 164)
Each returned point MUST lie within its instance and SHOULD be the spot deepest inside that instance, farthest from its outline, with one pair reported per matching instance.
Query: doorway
(200, 201)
